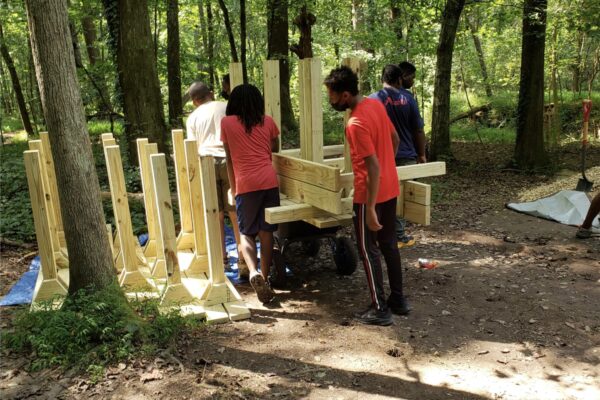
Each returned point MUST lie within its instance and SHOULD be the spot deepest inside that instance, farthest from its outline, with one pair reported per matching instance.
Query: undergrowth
(93, 330)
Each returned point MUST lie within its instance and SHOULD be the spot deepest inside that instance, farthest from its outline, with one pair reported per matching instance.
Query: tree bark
(16, 83)
(129, 27)
(304, 21)
(90, 37)
(277, 49)
(90, 259)
(234, 55)
(243, 39)
(211, 45)
(480, 57)
(440, 127)
(173, 65)
(395, 17)
(576, 67)
(556, 128)
(529, 148)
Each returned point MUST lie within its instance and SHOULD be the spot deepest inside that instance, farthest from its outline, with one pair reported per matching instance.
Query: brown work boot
(261, 287)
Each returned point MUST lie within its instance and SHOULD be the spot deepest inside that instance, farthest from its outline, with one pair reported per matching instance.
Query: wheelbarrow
(311, 238)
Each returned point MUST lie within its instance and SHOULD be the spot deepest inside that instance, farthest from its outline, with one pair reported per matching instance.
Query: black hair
(342, 79)
(199, 91)
(406, 68)
(248, 104)
(225, 78)
(391, 74)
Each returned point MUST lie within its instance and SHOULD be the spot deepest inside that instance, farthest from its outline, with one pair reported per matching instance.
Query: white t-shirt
(204, 125)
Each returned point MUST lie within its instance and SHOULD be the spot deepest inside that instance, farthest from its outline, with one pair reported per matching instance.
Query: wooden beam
(310, 172)
(183, 185)
(328, 151)
(417, 213)
(306, 193)
(236, 77)
(271, 92)
(290, 211)
(407, 172)
(311, 109)
(48, 284)
(417, 192)
(144, 150)
(53, 186)
(335, 162)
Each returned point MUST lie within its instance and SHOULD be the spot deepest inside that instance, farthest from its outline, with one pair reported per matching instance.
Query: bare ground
(511, 312)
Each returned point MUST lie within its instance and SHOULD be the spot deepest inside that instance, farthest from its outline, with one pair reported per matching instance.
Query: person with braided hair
(249, 138)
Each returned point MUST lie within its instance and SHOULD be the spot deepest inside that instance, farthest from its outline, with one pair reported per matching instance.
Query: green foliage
(92, 330)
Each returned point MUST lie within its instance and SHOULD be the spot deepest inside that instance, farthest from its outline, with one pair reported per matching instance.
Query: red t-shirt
(369, 131)
(250, 153)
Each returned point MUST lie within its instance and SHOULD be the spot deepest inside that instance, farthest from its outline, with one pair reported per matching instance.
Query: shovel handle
(587, 108)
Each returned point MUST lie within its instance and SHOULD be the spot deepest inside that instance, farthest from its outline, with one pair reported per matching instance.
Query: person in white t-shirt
(204, 125)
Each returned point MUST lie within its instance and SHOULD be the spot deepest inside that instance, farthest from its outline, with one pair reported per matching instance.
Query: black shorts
(251, 210)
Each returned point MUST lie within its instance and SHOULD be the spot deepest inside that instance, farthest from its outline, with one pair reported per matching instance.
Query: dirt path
(512, 312)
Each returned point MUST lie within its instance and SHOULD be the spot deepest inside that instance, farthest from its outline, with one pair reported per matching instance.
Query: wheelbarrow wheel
(311, 247)
(345, 256)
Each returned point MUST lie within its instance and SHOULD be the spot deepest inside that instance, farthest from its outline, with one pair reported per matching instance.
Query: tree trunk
(576, 67)
(173, 65)
(75, 44)
(395, 17)
(440, 128)
(211, 45)
(529, 149)
(95, 74)
(243, 39)
(277, 49)
(480, 57)
(556, 128)
(10, 65)
(304, 21)
(129, 27)
(234, 55)
(200, 36)
(90, 259)
(90, 37)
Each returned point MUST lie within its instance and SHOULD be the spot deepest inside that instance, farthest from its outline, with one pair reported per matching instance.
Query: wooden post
(175, 292)
(311, 109)
(48, 283)
(108, 140)
(144, 150)
(221, 301)
(131, 276)
(199, 261)
(53, 186)
(58, 245)
(185, 240)
(272, 93)
(359, 67)
(236, 77)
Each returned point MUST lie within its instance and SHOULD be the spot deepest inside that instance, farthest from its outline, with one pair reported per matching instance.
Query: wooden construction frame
(311, 109)
(49, 284)
(185, 239)
(144, 151)
(272, 92)
(236, 75)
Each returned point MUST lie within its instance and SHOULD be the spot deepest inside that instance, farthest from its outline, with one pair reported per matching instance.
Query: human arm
(230, 171)
(419, 140)
(395, 141)
(372, 165)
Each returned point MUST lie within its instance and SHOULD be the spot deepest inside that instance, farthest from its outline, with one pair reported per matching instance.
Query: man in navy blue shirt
(403, 111)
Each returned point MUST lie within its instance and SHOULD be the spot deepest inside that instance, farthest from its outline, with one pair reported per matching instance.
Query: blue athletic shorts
(251, 210)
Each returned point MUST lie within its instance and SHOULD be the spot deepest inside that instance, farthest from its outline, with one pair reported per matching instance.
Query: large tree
(440, 125)
(129, 27)
(16, 83)
(173, 64)
(278, 49)
(529, 149)
(90, 259)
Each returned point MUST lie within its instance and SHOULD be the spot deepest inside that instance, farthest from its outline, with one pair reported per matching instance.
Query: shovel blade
(583, 185)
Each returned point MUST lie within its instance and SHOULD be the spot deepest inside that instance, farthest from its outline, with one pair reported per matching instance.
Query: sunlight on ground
(564, 180)
(16, 136)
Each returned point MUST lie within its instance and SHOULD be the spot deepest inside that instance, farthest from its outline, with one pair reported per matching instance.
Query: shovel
(585, 185)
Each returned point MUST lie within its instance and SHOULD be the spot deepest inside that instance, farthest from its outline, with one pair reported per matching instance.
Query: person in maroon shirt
(373, 143)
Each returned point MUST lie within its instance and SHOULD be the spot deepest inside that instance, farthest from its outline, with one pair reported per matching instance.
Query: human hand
(231, 196)
(421, 159)
(372, 220)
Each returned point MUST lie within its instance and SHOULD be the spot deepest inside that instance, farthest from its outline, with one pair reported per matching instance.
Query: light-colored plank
(400, 201)
(47, 285)
(331, 221)
(306, 171)
(407, 172)
(311, 109)
(417, 213)
(306, 193)
(417, 192)
(183, 185)
(290, 211)
(237, 310)
(53, 185)
(337, 162)
(144, 150)
(272, 92)
(106, 136)
(236, 76)
(131, 276)
(328, 151)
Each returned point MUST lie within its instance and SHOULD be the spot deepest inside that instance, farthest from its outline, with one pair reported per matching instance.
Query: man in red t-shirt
(373, 143)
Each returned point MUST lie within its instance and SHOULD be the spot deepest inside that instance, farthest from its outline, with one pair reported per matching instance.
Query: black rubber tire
(345, 256)
(311, 247)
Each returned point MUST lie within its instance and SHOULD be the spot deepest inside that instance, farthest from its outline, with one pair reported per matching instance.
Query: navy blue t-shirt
(404, 114)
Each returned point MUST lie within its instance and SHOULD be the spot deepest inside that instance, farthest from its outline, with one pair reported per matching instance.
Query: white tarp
(567, 207)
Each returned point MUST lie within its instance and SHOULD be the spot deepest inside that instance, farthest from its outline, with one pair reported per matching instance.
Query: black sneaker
(376, 317)
(359, 314)
(399, 307)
